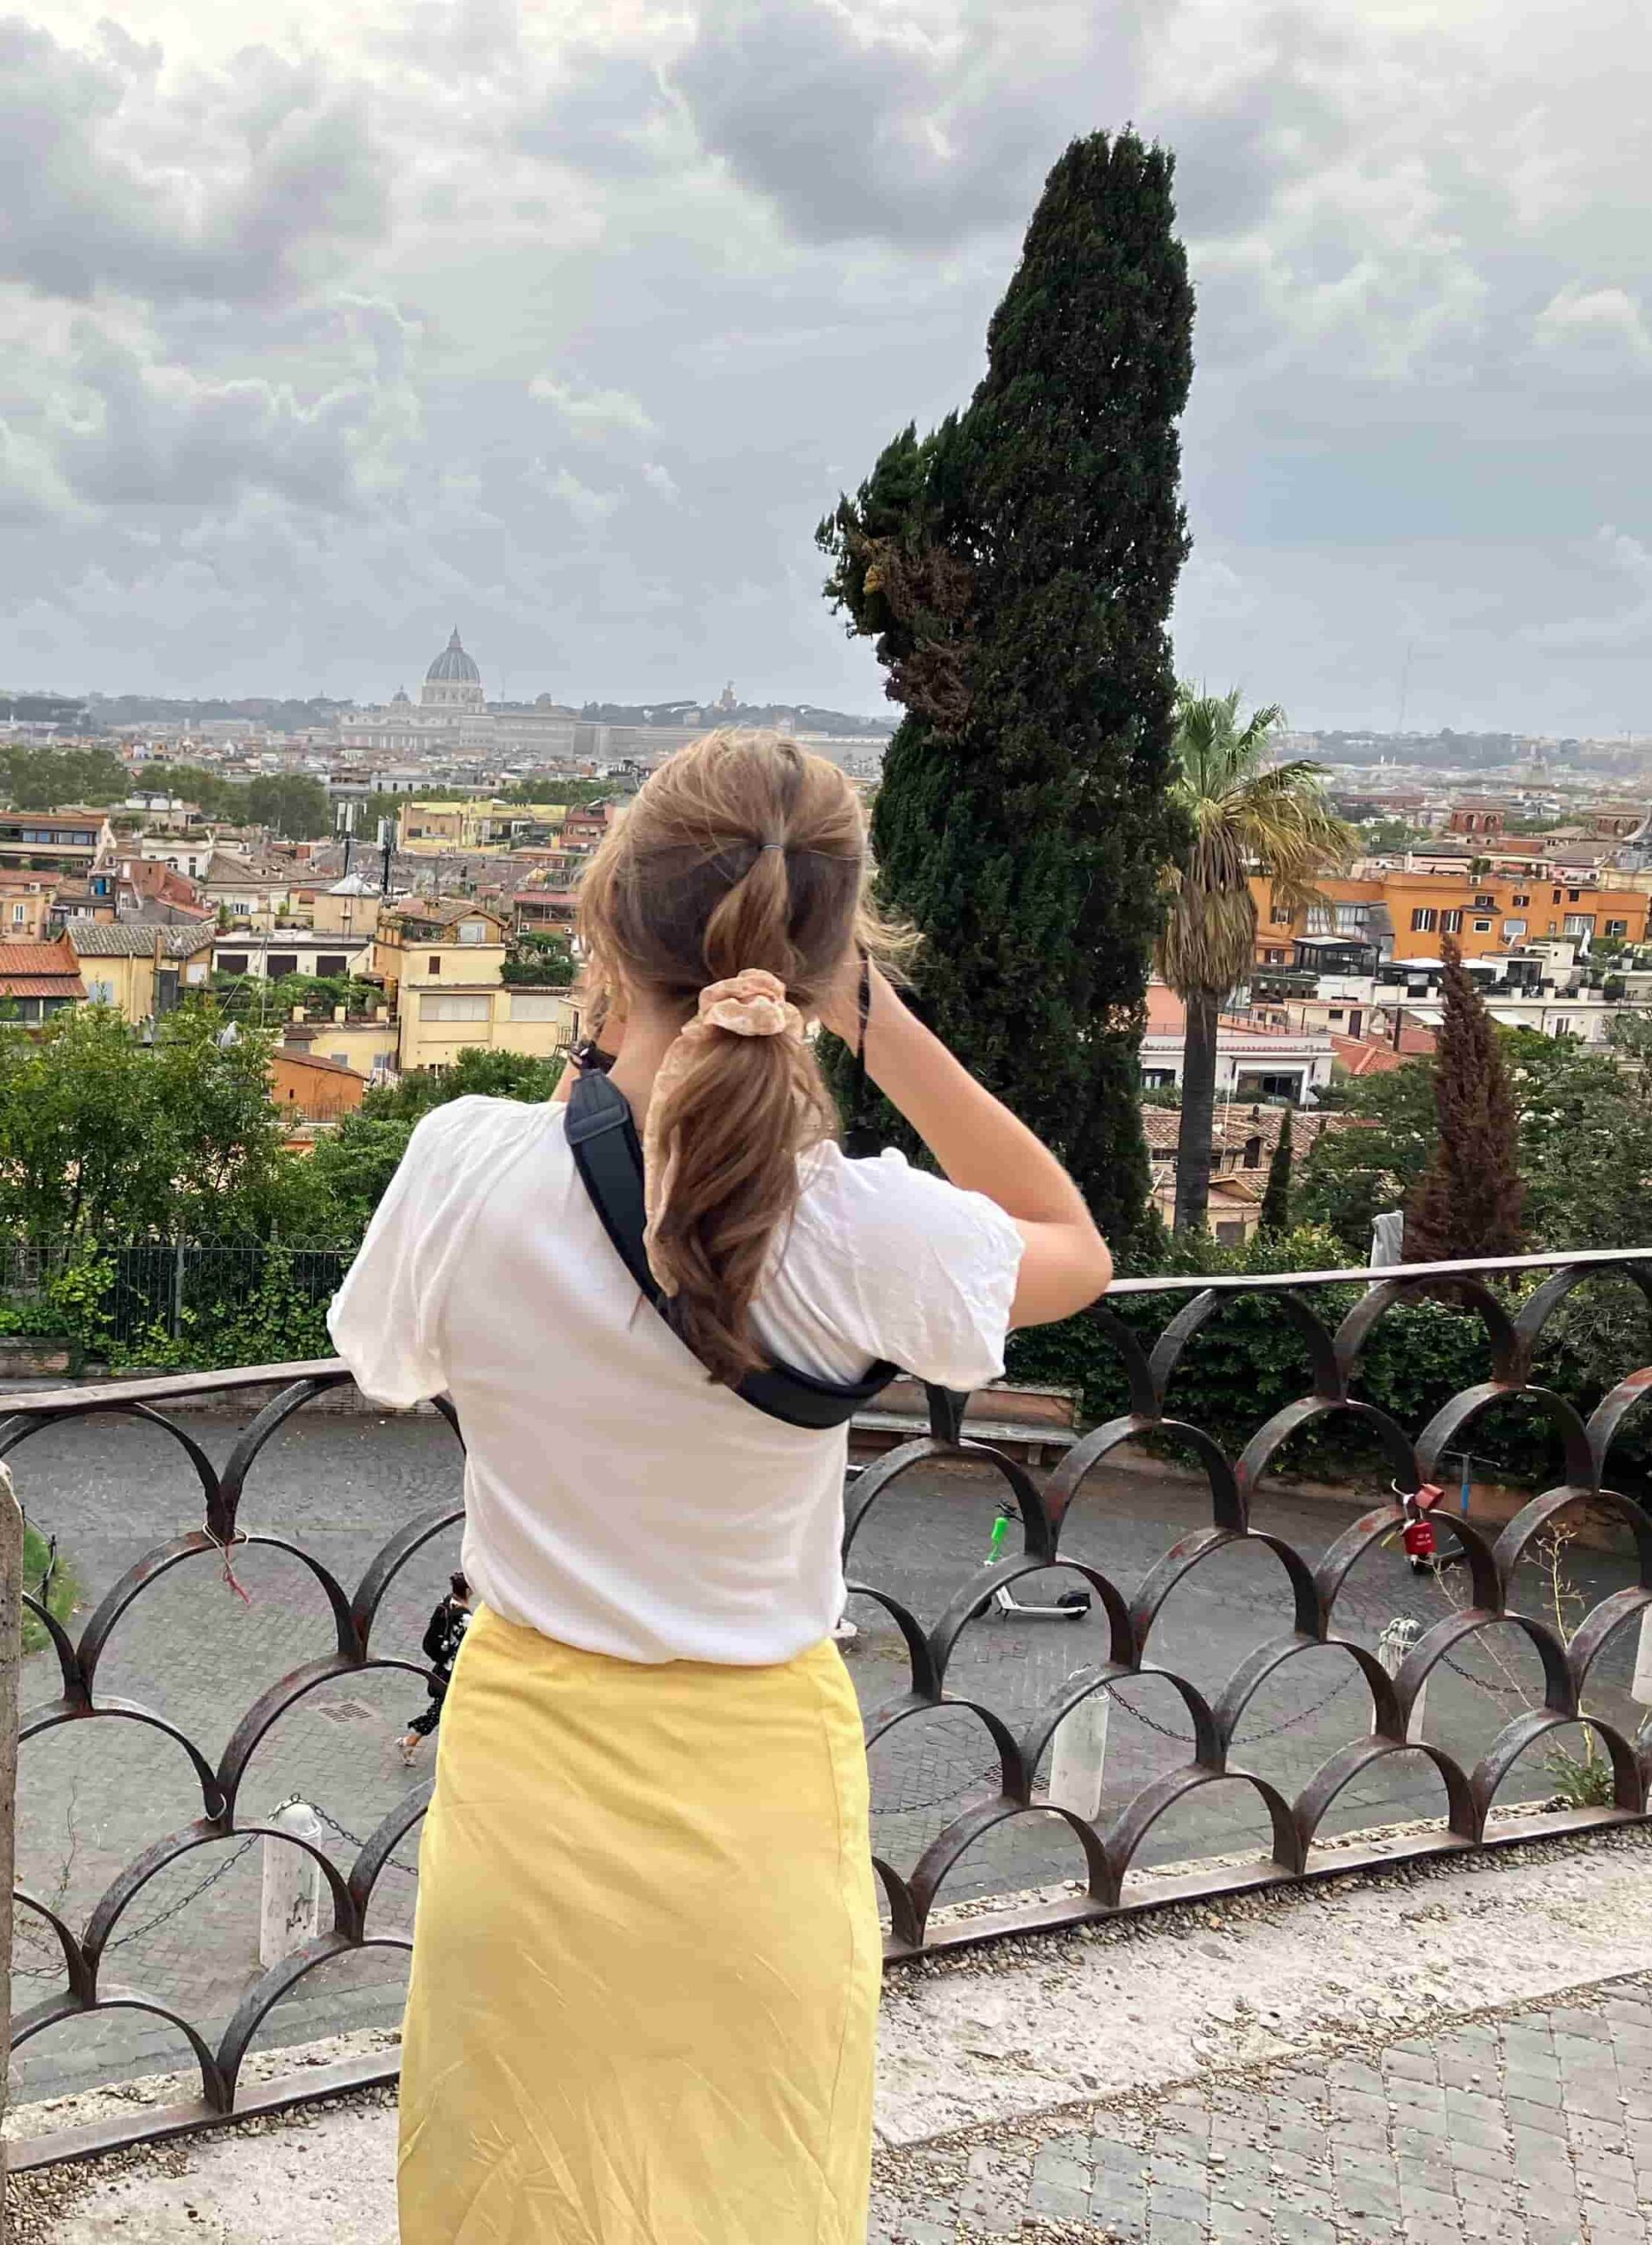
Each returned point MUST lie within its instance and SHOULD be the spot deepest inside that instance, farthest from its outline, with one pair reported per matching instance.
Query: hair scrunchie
(752, 1003)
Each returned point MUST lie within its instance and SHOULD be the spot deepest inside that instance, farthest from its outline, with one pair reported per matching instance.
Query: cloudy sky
(326, 328)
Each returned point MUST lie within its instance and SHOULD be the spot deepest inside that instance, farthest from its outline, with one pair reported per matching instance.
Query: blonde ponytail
(733, 890)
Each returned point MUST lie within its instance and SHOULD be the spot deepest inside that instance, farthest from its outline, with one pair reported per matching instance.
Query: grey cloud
(234, 186)
(159, 437)
(863, 129)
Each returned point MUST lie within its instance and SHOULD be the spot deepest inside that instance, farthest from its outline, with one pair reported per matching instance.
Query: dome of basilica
(454, 665)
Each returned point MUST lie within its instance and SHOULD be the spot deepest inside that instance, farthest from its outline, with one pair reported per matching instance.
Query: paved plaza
(92, 1795)
(1535, 2128)
(1437, 2055)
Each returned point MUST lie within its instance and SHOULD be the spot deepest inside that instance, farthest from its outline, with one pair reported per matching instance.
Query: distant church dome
(452, 681)
(453, 663)
(400, 695)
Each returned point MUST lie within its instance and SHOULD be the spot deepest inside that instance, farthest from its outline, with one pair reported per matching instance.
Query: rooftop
(137, 939)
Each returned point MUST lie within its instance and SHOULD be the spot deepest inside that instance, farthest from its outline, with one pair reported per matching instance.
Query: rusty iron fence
(1515, 1302)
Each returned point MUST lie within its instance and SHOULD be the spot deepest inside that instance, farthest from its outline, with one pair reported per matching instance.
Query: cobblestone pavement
(1530, 2129)
(93, 1795)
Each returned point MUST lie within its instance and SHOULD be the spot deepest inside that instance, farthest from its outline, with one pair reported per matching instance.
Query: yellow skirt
(646, 1956)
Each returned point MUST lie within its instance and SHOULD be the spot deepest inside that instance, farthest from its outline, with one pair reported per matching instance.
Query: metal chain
(32, 1931)
(160, 1917)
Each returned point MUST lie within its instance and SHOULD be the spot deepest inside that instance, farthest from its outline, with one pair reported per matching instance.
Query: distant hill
(803, 715)
(282, 716)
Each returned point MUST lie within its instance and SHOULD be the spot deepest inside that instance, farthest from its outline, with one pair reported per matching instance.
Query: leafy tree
(493, 1074)
(253, 997)
(352, 1165)
(292, 804)
(1276, 1198)
(1469, 1200)
(1245, 818)
(103, 1135)
(49, 778)
(539, 956)
(1015, 569)
(1350, 1177)
(351, 1171)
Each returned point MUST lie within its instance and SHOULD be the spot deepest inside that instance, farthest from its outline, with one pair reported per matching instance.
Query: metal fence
(1211, 1741)
(163, 1288)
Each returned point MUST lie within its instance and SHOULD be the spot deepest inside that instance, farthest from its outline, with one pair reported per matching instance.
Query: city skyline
(321, 331)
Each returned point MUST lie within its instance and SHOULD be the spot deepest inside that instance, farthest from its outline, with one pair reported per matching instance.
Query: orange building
(308, 1088)
(1493, 913)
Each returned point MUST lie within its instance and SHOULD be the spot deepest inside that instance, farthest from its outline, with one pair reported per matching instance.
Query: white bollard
(1079, 1755)
(291, 1905)
(1640, 1687)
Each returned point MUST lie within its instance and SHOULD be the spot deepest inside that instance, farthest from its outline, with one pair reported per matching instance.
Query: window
(1451, 921)
(472, 932)
(100, 994)
(1423, 920)
(536, 1005)
(452, 1005)
(1278, 917)
(1519, 898)
(196, 972)
(1512, 928)
(1253, 1084)
(1273, 958)
(1253, 1153)
(1573, 895)
(1352, 919)
(1485, 904)
(20, 914)
(332, 963)
(1336, 1013)
(1230, 1234)
(343, 1059)
(1616, 928)
(232, 962)
(1561, 1025)
(283, 962)
(1157, 1079)
(1579, 924)
(1555, 899)
(1482, 927)
(435, 963)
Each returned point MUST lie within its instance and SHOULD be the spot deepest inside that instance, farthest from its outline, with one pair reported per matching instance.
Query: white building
(453, 717)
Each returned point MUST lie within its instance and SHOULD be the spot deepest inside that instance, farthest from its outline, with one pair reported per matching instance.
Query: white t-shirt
(615, 1498)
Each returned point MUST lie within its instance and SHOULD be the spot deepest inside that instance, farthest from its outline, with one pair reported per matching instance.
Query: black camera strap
(608, 1156)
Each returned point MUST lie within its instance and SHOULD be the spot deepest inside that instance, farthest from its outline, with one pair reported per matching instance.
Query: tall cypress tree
(1016, 568)
(1276, 1196)
(1468, 1200)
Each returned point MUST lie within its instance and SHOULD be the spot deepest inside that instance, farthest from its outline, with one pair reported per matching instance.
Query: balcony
(1190, 1676)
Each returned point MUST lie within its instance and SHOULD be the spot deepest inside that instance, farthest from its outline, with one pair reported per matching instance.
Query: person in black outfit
(440, 1646)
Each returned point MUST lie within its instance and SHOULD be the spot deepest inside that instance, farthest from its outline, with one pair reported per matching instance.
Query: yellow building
(449, 942)
(369, 1043)
(442, 964)
(438, 1025)
(471, 828)
(350, 906)
(141, 970)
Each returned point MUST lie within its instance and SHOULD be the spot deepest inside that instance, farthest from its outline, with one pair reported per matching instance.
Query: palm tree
(1246, 817)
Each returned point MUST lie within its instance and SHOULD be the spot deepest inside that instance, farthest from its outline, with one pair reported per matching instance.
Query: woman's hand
(840, 1007)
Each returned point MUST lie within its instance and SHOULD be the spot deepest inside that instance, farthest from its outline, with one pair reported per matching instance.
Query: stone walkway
(1534, 2128)
(1460, 2052)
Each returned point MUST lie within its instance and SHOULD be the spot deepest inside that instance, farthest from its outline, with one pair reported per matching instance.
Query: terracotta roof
(39, 959)
(315, 1060)
(42, 986)
(39, 971)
